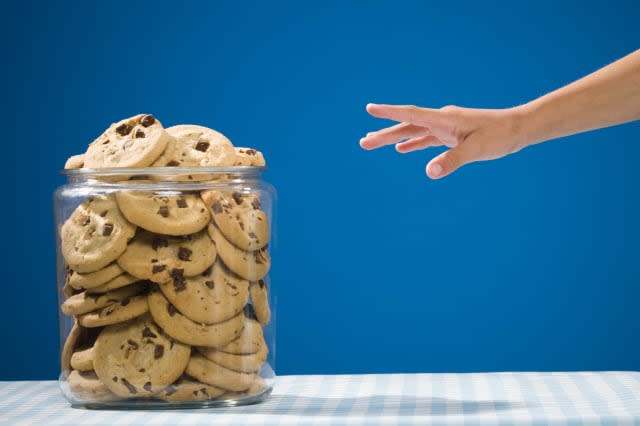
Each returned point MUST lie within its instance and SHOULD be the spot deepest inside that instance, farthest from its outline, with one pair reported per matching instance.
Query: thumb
(450, 161)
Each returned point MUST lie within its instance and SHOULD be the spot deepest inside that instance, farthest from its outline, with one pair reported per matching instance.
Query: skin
(607, 97)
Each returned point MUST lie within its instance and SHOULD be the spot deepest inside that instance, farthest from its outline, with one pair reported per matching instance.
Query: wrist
(525, 129)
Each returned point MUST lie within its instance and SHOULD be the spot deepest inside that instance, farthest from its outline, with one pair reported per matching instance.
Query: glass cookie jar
(163, 287)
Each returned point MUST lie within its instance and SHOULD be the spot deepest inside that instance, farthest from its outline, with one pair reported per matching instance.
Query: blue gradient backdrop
(527, 263)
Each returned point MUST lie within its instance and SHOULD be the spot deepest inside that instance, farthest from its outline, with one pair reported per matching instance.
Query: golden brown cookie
(260, 301)
(120, 281)
(250, 265)
(95, 234)
(164, 213)
(183, 329)
(74, 162)
(85, 302)
(211, 297)
(136, 358)
(209, 372)
(82, 360)
(87, 386)
(94, 279)
(161, 258)
(249, 157)
(187, 389)
(239, 218)
(250, 363)
(137, 141)
(196, 146)
(116, 312)
(251, 339)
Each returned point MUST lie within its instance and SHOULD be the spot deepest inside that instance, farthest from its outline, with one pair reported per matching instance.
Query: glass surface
(163, 287)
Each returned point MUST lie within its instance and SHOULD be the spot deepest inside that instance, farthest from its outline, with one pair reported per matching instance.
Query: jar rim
(167, 171)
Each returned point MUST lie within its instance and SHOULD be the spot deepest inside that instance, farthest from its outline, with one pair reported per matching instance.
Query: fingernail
(436, 170)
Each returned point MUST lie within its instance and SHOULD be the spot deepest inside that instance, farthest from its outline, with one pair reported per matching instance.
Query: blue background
(526, 263)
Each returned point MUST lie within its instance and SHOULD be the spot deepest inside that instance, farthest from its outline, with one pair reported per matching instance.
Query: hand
(472, 134)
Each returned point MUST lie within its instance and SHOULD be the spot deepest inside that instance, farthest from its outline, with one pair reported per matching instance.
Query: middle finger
(392, 135)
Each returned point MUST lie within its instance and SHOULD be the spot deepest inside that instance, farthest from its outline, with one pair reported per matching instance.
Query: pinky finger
(415, 144)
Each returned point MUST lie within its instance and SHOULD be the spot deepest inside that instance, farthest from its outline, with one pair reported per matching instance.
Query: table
(470, 399)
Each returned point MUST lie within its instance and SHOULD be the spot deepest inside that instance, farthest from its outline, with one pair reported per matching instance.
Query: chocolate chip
(147, 120)
(142, 370)
(173, 163)
(233, 286)
(163, 211)
(210, 284)
(106, 142)
(159, 242)
(107, 230)
(184, 254)
(115, 379)
(134, 345)
(261, 283)
(154, 260)
(251, 152)
(179, 283)
(124, 129)
(132, 389)
(170, 390)
(171, 309)
(148, 333)
(147, 386)
(158, 352)
(125, 301)
(255, 203)
(241, 225)
(86, 220)
(217, 207)
(253, 235)
(158, 268)
(237, 197)
(202, 146)
(182, 203)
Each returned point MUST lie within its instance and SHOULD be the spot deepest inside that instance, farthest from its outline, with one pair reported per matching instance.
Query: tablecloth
(605, 398)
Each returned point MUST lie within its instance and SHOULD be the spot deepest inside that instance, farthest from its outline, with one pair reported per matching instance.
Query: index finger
(427, 117)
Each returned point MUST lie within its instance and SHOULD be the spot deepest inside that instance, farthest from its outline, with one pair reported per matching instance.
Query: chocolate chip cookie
(85, 302)
(212, 297)
(133, 142)
(250, 341)
(260, 301)
(239, 218)
(248, 363)
(196, 146)
(187, 389)
(116, 313)
(137, 359)
(95, 234)
(250, 265)
(161, 258)
(164, 213)
(82, 360)
(87, 386)
(93, 279)
(214, 374)
(190, 332)
(248, 157)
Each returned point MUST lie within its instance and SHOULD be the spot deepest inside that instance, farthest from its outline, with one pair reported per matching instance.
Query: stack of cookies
(167, 288)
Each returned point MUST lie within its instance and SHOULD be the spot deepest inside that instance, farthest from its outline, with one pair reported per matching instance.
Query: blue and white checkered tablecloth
(605, 398)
